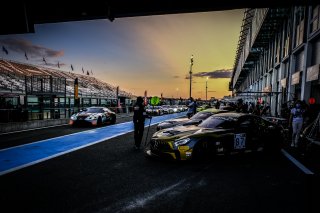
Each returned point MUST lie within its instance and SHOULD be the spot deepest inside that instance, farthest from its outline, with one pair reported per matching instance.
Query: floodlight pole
(206, 88)
(190, 73)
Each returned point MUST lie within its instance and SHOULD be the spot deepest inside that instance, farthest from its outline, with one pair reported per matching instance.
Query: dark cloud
(188, 78)
(224, 73)
(32, 50)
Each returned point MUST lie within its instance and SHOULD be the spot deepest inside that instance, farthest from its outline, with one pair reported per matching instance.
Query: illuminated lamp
(259, 100)
(312, 100)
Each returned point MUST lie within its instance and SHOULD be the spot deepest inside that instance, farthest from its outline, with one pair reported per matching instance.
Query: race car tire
(203, 152)
(99, 122)
(113, 119)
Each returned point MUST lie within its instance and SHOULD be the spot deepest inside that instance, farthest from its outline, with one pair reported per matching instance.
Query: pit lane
(111, 177)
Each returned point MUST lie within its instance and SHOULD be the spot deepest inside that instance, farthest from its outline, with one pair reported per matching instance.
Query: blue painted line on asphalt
(18, 157)
(297, 163)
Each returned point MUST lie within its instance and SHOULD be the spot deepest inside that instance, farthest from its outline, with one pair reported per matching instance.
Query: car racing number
(239, 141)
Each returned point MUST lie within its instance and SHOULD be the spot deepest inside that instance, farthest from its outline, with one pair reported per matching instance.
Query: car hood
(182, 131)
(86, 114)
(175, 132)
(192, 122)
(209, 131)
(176, 120)
(173, 122)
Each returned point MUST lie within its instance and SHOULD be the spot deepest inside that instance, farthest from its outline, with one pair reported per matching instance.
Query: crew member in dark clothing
(139, 116)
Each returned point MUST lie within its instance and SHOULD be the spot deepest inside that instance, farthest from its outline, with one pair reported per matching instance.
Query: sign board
(145, 98)
(313, 73)
(295, 78)
(155, 100)
(21, 97)
(76, 89)
(267, 89)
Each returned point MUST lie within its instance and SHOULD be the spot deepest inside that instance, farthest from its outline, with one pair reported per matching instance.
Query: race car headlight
(182, 141)
(73, 117)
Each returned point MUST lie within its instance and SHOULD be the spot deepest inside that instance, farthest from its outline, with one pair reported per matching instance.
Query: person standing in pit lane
(296, 122)
(139, 116)
(191, 108)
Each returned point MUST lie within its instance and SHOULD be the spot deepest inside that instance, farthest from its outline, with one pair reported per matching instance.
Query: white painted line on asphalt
(25, 130)
(62, 136)
(140, 202)
(59, 154)
(297, 163)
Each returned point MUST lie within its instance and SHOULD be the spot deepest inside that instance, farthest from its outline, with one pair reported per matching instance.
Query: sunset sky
(140, 53)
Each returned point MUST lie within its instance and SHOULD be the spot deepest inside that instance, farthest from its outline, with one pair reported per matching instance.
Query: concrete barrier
(18, 126)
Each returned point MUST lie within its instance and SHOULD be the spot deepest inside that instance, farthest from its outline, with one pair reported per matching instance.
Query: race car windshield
(201, 116)
(94, 110)
(217, 123)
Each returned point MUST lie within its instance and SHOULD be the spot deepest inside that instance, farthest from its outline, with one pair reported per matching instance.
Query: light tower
(190, 73)
(207, 88)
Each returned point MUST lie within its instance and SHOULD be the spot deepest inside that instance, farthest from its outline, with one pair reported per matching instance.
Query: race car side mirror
(199, 122)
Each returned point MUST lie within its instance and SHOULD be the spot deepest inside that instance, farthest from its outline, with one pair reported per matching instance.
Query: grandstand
(46, 93)
(12, 80)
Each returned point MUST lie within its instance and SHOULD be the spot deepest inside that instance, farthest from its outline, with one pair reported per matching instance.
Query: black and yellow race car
(220, 133)
(194, 120)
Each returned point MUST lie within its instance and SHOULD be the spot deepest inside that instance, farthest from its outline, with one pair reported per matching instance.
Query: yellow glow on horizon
(170, 40)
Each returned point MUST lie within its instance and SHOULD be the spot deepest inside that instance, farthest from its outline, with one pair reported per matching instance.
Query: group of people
(262, 108)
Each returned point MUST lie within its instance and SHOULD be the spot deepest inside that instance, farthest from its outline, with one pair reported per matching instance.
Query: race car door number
(240, 141)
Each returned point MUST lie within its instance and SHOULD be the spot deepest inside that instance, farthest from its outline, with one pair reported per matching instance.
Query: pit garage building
(278, 56)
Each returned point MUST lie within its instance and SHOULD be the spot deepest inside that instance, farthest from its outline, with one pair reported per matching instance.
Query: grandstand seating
(12, 78)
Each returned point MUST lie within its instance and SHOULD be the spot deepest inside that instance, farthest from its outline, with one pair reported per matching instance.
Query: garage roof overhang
(20, 16)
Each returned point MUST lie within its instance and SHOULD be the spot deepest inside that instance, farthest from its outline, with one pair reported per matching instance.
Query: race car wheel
(203, 151)
(113, 119)
(99, 122)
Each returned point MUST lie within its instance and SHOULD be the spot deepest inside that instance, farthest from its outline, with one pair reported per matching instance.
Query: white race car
(95, 116)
